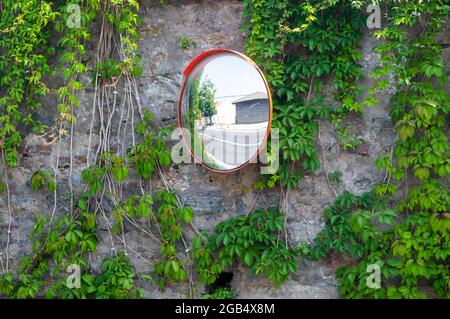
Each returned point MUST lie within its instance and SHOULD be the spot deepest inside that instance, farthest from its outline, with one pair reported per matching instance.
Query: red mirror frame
(186, 74)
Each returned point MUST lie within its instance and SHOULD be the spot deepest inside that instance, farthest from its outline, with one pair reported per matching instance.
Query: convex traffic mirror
(224, 110)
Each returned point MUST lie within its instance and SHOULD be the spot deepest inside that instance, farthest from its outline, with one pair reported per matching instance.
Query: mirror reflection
(225, 111)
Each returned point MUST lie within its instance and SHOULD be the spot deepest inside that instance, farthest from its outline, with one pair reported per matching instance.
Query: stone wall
(214, 197)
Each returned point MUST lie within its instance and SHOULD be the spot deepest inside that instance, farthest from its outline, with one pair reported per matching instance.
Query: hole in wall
(223, 281)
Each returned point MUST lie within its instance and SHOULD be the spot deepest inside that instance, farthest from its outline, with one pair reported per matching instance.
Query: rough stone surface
(214, 197)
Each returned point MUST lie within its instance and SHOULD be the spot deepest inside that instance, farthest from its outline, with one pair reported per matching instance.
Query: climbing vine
(253, 240)
(295, 46)
(61, 241)
(72, 239)
(304, 50)
(414, 253)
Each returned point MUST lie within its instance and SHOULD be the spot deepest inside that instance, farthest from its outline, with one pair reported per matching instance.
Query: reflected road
(232, 145)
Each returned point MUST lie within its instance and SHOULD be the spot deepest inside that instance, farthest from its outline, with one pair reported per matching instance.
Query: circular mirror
(224, 110)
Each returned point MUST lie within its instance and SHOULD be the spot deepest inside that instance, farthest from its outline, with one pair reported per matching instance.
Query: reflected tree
(194, 105)
(201, 100)
(206, 99)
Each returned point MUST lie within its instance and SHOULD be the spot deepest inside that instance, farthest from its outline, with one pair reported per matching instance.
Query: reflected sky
(233, 77)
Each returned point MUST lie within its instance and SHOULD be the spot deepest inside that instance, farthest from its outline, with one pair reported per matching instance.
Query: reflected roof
(253, 96)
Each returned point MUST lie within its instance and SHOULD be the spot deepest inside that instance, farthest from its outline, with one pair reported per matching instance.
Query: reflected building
(252, 108)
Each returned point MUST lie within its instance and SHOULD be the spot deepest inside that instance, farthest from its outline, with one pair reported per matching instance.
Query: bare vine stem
(71, 162)
(55, 172)
(325, 164)
(8, 196)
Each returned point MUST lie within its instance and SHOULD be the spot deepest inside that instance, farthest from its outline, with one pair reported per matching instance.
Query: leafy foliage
(221, 293)
(25, 31)
(67, 242)
(254, 240)
(171, 267)
(303, 49)
(43, 178)
(152, 153)
(116, 280)
(349, 226)
(184, 43)
(413, 250)
(26, 27)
